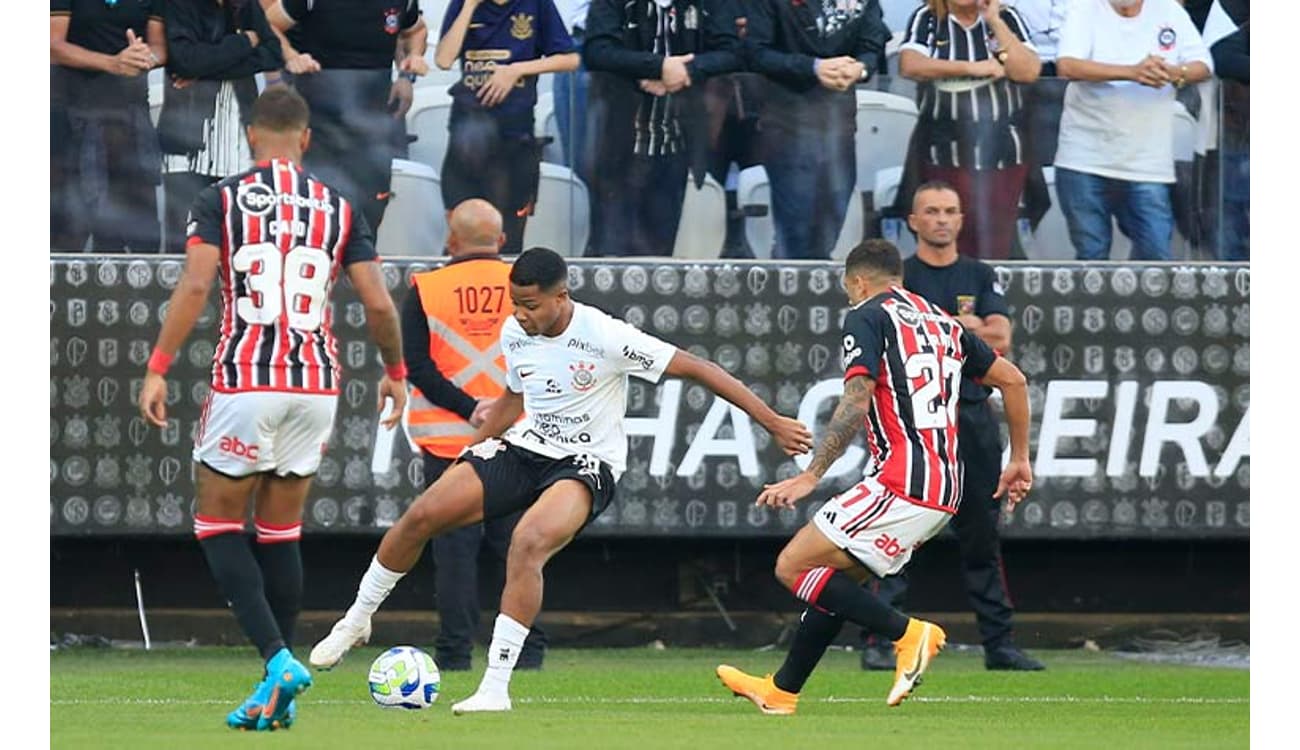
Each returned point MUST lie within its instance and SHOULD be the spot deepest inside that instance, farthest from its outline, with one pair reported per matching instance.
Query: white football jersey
(575, 384)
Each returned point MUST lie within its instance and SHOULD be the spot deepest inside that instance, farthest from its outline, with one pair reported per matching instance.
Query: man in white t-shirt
(1124, 58)
(567, 367)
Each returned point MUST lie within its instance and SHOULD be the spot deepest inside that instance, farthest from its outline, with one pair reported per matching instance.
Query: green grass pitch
(641, 698)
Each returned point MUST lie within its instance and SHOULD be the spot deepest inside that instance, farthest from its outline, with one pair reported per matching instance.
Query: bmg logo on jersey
(235, 447)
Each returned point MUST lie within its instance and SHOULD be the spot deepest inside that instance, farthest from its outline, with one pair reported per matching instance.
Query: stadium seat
(1052, 239)
(545, 126)
(702, 232)
(753, 190)
(427, 120)
(155, 102)
(415, 222)
(562, 216)
(894, 229)
(885, 122)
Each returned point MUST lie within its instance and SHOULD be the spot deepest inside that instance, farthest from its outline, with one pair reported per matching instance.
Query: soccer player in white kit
(904, 361)
(278, 238)
(567, 366)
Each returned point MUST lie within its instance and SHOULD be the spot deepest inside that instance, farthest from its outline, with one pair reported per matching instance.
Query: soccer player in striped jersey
(904, 361)
(278, 238)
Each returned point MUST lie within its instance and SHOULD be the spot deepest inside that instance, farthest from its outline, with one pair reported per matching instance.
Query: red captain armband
(396, 372)
(159, 362)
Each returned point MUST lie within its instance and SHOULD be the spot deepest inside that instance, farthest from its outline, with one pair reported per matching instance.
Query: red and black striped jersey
(917, 355)
(283, 237)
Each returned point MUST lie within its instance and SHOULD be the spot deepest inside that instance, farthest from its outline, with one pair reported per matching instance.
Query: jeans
(1235, 224)
(1144, 210)
(570, 92)
(812, 180)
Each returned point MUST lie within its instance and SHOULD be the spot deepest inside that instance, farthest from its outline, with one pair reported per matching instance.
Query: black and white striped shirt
(973, 123)
(225, 148)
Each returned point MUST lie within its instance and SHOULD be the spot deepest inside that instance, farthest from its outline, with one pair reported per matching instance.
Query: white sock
(374, 589)
(507, 639)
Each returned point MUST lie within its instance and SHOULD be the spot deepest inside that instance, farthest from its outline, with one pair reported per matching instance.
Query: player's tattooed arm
(844, 424)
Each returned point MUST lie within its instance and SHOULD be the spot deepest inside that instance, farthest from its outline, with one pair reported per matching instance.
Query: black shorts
(482, 161)
(513, 477)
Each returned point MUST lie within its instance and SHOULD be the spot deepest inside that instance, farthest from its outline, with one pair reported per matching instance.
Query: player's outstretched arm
(1017, 478)
(791, 434)
(381, 319)
(843, 427)
(183, 310)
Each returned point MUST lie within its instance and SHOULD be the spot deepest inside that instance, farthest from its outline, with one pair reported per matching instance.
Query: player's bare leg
(455, 500)
(545, 529)
(219, 525)
(829, 579)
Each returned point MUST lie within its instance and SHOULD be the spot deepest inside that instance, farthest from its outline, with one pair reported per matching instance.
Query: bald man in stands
(451, 326)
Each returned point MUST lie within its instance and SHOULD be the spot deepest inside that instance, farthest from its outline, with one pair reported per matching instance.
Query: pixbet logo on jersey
(236, 447)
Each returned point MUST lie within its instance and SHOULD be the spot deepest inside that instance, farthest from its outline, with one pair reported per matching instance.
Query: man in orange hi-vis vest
(451, 328)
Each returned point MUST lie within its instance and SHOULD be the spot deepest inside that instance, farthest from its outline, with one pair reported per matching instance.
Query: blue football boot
(286, 677)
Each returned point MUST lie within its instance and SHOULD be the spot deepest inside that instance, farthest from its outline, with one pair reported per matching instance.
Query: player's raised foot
(245, 717)
(762, 691)
(343, 636)
(287, 678)
(482, 702)
(919, 644)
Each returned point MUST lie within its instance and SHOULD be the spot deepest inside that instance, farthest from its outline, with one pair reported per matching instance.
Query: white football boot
(343, 636)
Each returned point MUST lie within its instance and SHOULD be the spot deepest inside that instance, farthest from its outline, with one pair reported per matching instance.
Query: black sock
(281, 564)
(817, 629)
(836, 592)
(240, 580)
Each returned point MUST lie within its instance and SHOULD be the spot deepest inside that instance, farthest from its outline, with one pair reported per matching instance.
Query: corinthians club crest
(521, 26)
(584, 376)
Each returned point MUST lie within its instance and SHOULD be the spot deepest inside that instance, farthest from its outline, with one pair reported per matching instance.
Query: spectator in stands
(503, 46)
(215, 47)
(569, 93)
(104, 159)
(1124, 59)
(342, 64)
(813, 54)
(733, 103)
(1232, 63)
(1046, 96)
(968, 57)
(649, 59)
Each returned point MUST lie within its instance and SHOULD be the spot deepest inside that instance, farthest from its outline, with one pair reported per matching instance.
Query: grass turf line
(634, 698)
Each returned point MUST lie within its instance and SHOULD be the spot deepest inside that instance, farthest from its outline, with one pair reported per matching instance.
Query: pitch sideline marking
(588, 700)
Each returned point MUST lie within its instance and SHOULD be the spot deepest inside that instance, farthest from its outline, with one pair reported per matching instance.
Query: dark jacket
(618, 51)
(782, 43)
(783, 40)
(206, 42)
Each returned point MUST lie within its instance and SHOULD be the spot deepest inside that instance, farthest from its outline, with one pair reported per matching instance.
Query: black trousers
(976, 526)
(103, 175)
(482, 161)
(456, 563)
(636, 212)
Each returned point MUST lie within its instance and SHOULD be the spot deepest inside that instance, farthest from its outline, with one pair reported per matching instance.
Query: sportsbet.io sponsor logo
(258, 199)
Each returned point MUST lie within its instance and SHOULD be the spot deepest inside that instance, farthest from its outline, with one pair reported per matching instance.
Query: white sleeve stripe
(914, 26)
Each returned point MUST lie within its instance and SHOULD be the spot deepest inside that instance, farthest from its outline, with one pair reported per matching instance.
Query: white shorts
(249, 432)
(877, 526)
